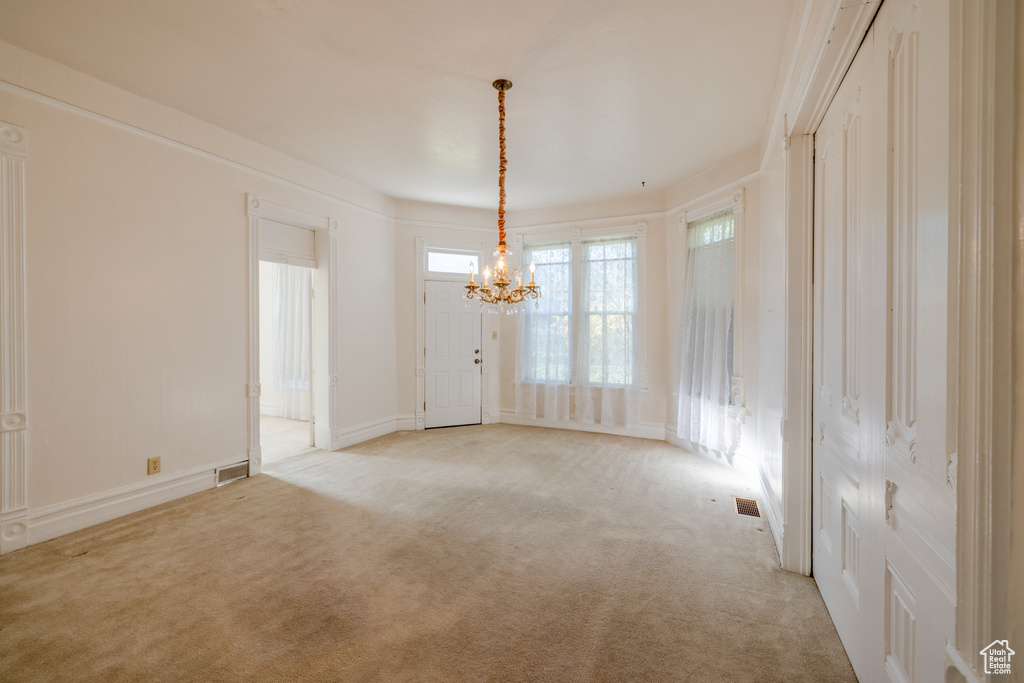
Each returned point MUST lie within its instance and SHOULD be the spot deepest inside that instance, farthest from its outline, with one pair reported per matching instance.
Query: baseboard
(646, 430)
(63, 518)
(405, 423)
(772, 511)
(349, 436)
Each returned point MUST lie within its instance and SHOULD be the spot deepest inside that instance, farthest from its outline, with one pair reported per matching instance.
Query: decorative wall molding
(901, 627)
(981, 89)
(13, 344)
(851, 226)
(901, 430)
(164, 138)
(63, 518)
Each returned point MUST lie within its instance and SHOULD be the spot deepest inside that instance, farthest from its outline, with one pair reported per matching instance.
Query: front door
(453, 357)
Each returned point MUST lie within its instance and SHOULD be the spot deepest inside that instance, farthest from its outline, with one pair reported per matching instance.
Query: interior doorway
(287, 417)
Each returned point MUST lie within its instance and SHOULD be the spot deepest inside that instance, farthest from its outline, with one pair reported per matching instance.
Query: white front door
(453, 357)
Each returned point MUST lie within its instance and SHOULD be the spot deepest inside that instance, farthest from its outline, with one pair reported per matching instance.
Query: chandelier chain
(502, 165)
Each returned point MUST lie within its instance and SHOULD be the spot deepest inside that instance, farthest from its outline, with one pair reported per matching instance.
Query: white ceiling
(396, 94)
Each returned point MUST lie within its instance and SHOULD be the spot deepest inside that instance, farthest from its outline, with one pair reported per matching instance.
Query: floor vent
(747, 506)
(226, 475)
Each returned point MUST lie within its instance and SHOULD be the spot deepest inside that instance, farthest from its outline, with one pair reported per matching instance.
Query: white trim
(405, 423)
(14, 512)
(446, 226)
(772, 509)
(63, 518)
(719, 194)
(343, 437)
(154, 137)
(577, 224)
(958, 661)
(646, 430)
(981, 64)
(325, 371)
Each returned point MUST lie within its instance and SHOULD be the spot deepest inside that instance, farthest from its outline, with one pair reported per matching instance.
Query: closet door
(849, 360)
(885, 350)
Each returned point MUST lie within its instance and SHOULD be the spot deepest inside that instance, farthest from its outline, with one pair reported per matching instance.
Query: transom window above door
(452, 262)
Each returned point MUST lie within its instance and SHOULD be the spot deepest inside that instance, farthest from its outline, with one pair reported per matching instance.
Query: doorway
(286, 359)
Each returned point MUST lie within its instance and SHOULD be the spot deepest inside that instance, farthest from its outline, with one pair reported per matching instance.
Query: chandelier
(500, 296)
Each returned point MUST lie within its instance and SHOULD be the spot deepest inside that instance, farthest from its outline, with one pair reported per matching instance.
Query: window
(610, 296)
(545, 354)
(452, 262)
(705, 379)
(582, 334)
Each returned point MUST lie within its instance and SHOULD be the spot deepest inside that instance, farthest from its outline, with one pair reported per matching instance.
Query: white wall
(137, 285)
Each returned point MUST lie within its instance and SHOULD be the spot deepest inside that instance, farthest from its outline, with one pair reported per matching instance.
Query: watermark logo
(997, 657)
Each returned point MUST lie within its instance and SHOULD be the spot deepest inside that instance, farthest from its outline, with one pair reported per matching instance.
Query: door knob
(477, 361)
(477, 351)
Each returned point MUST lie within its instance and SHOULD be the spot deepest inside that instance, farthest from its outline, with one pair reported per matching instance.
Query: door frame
(325, 372)
(489, 343)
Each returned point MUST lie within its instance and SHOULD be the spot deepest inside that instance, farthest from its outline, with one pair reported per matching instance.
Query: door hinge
(424, 405)
(424, 297)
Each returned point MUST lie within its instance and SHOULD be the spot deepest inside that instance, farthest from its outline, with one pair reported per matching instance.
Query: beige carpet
(493, 553)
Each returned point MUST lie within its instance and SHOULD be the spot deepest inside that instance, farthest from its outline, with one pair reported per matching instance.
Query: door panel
(849, 337)
(452, 357)
(884, 460)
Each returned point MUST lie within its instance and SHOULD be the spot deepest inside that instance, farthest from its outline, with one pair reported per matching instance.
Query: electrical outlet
(153, 465)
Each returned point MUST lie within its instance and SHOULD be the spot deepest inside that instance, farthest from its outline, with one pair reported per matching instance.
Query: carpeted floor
(492, 553)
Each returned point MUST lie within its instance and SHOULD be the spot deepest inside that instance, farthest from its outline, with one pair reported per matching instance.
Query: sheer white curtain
(706, 366)
(606, 347)
(288, 377)
(543, 360)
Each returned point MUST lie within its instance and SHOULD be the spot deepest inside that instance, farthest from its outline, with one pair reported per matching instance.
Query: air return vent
(747, 506)
(226, 475)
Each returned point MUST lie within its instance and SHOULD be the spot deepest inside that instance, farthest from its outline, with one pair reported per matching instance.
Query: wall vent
(226, 475)
(747, 506)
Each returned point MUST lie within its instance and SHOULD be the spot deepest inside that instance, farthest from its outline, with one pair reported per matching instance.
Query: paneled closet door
(884, 458)
(919, 440)
(850, 271)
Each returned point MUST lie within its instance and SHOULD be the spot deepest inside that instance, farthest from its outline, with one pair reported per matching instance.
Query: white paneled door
(849, 362)
(453, 356)
(884, 457)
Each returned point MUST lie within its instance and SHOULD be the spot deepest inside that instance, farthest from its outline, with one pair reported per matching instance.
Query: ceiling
(610, 98)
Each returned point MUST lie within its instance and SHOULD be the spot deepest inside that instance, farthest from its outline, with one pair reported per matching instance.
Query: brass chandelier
(500, 296)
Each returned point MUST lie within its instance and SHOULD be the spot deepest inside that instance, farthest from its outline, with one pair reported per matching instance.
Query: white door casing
(452, 356)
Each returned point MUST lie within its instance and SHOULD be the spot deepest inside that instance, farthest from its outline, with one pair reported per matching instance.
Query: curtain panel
(577, 348)
(705, 375)
(287, 375)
